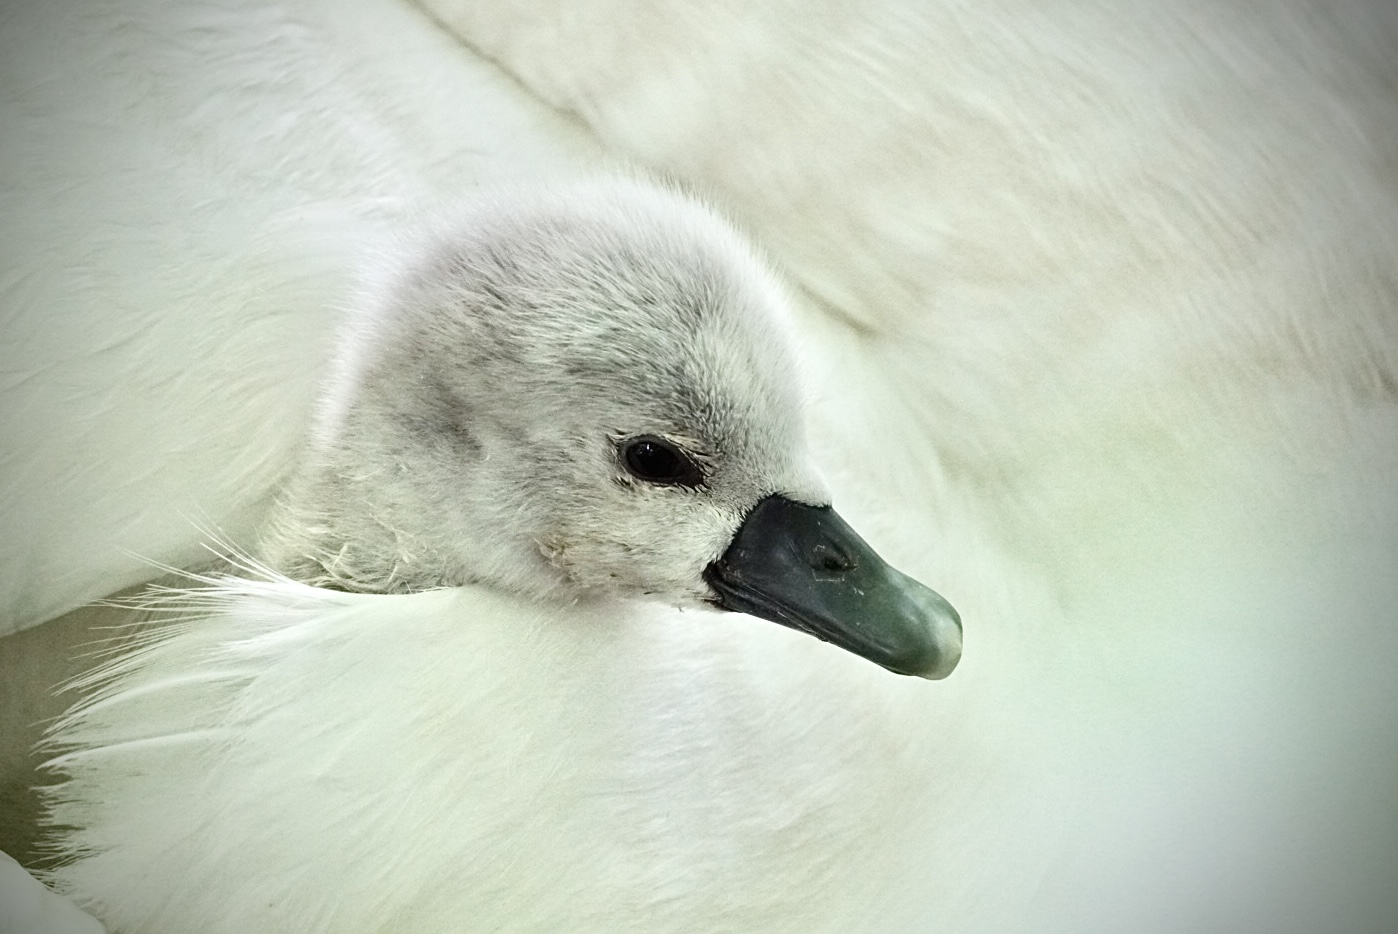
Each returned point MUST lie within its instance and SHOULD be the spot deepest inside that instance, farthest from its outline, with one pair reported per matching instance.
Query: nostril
(830, 560)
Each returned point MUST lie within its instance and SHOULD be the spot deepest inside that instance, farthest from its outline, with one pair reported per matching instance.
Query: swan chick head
(564, 392)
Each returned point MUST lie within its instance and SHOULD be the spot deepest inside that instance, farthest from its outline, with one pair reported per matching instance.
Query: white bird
(568, 398)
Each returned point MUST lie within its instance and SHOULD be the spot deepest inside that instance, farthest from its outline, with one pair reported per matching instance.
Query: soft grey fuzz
(471, 430)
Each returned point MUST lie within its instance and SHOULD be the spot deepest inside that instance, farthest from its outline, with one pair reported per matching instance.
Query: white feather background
(1101, 306)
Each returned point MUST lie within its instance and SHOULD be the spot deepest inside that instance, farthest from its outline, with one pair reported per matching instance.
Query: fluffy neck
(356, 523)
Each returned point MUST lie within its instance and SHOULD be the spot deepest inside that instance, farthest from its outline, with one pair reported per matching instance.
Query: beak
(804, 567)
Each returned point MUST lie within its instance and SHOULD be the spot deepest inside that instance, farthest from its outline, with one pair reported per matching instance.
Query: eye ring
(652, 459)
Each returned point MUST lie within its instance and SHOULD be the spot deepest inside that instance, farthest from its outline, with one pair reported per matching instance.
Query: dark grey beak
(804, 567)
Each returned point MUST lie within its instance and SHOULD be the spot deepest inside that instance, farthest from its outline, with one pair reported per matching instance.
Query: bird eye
(656, 460)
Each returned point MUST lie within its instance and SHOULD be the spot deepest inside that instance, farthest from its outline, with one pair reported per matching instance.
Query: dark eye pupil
(657, 461)
(652, 462)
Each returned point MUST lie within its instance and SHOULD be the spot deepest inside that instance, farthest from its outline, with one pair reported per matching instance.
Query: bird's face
(650, 474)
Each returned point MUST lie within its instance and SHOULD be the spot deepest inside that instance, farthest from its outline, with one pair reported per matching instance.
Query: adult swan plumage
(436, 691)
